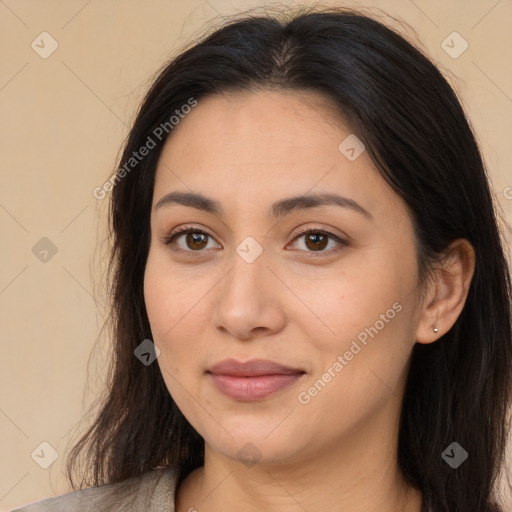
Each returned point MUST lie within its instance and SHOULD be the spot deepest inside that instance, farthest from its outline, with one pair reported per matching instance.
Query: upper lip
(253, 368)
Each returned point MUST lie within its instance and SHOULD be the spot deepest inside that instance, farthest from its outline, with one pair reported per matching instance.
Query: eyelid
(342, 242)
(183, 230)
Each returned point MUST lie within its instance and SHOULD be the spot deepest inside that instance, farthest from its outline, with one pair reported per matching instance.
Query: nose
(249, 303)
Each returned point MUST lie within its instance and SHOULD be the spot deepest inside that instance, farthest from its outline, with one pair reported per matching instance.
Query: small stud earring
(435, 330)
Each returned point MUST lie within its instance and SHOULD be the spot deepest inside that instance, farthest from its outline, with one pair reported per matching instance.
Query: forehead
(264, 112)
(248, 146)
(244, 132)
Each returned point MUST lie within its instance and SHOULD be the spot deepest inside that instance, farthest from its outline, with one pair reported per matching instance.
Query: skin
(294, 304)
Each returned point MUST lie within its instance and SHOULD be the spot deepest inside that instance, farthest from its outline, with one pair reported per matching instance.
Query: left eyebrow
(286, 206)
(277, 210)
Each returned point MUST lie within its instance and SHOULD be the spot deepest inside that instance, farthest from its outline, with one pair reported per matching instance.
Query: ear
(447, 291)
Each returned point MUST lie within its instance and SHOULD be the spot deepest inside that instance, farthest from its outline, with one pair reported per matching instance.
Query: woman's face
(333, 312)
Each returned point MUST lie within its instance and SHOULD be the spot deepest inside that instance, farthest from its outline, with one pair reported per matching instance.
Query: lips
(252, 380)
(253, 368)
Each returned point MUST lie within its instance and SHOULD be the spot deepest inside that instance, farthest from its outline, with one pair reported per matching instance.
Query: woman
(310, 294)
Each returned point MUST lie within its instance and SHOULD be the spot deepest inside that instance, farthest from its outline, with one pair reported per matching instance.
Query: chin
(255, 445)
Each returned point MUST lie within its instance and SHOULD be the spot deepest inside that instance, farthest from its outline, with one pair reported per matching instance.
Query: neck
(362, 474)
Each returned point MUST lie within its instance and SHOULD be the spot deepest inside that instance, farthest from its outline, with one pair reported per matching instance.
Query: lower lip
(253, 388)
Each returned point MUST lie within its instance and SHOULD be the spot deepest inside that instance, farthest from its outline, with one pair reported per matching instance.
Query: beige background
(62, 123)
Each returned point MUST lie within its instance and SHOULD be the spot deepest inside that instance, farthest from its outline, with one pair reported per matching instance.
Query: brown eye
(315, 241)
(195, 240)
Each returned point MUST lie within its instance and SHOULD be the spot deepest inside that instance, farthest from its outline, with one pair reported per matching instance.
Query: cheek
(166, 310)
(362, 368)
(167, 316)
(350, 302)
(171, 297)
(369, 310)
(177, 309)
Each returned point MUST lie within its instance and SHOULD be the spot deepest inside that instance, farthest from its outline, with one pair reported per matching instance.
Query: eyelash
(170, 239)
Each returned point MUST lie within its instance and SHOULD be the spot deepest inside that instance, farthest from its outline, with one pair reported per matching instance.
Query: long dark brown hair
(402, 108)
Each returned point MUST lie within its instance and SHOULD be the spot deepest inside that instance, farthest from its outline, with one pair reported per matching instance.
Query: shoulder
(153, 491)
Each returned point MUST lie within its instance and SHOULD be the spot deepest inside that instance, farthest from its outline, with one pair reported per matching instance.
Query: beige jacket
(152, 492)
